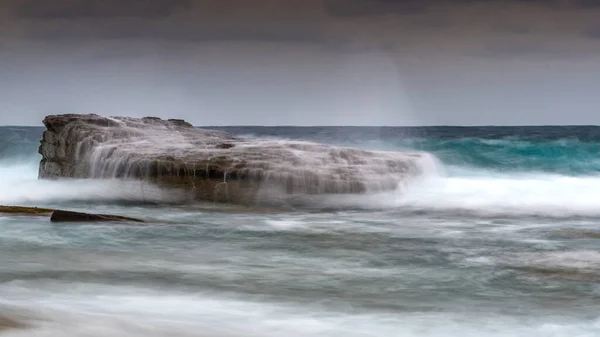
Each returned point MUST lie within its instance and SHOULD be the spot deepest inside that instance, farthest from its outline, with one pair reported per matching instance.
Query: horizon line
(395, 126)
(365, 126)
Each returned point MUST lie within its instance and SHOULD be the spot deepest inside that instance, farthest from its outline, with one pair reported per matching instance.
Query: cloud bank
(309, 62)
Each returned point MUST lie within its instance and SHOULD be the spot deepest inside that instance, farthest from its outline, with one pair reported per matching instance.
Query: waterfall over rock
(212, 165)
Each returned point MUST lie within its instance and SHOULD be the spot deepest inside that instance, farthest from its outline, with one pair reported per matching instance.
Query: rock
(212, 165)
(9, 324)
(68, 216)
(578, 234)
(58, 215)
(20, 210)
(224, 146)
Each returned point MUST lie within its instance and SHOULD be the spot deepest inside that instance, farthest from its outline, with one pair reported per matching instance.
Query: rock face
(211, 165)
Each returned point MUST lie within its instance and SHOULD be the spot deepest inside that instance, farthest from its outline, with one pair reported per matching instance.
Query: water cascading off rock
(212, 165)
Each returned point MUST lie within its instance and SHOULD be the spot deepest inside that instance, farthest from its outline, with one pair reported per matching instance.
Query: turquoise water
(569, 150)
(501, 239)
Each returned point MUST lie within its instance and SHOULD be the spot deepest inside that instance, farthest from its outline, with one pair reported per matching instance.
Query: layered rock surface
(213, 165)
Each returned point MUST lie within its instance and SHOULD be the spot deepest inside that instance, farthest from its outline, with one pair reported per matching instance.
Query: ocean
(500, 238)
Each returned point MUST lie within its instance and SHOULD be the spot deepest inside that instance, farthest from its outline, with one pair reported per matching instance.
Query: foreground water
(474, 250)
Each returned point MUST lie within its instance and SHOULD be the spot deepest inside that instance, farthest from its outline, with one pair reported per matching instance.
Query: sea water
(502, 238)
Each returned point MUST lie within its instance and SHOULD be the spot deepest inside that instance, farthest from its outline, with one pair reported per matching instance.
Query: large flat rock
(213, 165)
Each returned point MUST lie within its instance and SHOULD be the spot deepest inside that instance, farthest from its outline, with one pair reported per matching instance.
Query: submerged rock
(68, 216)
(211, 165)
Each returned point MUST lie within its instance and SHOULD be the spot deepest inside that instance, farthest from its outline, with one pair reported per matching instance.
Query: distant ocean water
(501, 238)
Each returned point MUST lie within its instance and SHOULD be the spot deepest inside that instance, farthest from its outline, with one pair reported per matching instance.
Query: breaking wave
(546, 172)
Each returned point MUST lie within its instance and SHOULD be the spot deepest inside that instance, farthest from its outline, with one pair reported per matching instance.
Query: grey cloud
(585, 3)
(169, 30)
(352, 8)
(202, 20)
(517, 50)
(512, 28)
(78, 57)
(82, 9)
(592, 32)
(359, 8)
(366, 8)
(96, 9)
(530, 50)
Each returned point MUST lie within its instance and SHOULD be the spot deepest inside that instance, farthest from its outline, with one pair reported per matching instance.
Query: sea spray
(169, 153)
(559, 178)
(32, 192)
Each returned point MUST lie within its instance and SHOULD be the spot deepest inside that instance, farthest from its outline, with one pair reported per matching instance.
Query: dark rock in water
(212, 165)
(579, 234)
(63, 216)
(9, 324)
(21, 210)
(68, 216)
(225, 146)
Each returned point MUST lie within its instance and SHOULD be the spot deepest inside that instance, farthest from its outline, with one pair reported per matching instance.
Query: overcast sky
(303, 62)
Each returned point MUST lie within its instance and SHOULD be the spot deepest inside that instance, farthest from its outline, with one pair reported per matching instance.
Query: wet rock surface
(68, 216)
(7, 323)
(57, 215)
(212, 165)
(22, 210)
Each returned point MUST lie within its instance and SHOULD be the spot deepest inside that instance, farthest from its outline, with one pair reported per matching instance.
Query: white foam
(488, 193)
(19, 186)
(286, 224)
(477, 192)
(515, 194)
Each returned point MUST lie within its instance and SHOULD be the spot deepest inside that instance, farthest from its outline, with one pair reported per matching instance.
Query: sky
(303, 62)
